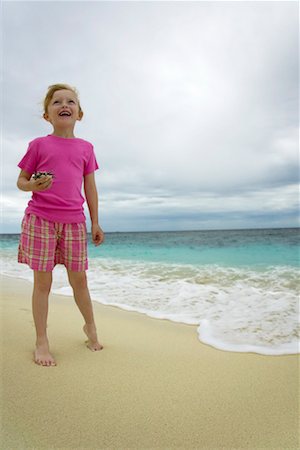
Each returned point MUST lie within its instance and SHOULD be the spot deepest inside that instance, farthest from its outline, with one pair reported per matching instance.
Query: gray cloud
(192, 106)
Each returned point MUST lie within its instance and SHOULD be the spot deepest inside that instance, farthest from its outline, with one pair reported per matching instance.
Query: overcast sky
(192, 107)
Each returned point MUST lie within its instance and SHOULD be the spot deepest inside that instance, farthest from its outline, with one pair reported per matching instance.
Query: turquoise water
(228, 248)
(240, 287)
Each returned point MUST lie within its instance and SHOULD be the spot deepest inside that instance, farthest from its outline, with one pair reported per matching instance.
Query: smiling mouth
(65, 113)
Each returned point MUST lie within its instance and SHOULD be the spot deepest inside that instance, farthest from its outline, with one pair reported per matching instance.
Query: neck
(64, 133)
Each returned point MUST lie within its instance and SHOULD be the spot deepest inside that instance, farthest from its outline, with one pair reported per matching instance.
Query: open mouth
(65, 113)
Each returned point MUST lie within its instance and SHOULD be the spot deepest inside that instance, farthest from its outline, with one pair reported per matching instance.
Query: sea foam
(236, 309)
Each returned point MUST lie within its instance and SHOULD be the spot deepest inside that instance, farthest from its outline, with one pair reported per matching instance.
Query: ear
(80, 115)
(46, 117)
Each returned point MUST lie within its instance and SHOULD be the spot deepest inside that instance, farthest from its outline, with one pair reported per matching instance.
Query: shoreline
(154, 385)
(203, 329)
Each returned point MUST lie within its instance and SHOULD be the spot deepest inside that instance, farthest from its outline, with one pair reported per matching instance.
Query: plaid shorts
(43, 244)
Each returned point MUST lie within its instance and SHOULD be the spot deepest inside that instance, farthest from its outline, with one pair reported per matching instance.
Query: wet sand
(154, 385)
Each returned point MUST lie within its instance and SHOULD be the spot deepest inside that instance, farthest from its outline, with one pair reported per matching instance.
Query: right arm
(26, 183)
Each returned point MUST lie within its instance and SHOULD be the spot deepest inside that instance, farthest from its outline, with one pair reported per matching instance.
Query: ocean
(239, 287)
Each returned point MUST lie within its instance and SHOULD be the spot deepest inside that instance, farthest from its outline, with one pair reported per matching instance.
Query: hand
(41, 184)
(97, 235)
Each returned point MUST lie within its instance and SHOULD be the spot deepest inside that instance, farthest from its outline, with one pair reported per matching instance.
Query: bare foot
(92, 343)
(42, 355)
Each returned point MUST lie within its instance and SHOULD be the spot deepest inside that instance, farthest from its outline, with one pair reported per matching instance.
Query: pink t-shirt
(69, 160)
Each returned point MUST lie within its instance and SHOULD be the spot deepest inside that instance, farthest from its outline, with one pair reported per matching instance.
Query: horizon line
(190, 231)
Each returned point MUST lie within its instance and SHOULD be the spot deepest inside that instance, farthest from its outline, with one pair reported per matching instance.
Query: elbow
(20, 184)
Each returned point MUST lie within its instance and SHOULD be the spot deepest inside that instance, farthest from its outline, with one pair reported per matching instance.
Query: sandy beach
(153, 386)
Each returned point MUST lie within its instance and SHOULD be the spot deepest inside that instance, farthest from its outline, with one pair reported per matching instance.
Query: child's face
(63, 109)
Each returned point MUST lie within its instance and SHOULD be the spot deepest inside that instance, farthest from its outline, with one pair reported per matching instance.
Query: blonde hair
(58, 87)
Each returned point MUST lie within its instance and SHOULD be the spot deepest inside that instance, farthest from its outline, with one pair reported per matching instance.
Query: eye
(55, 101)
(71, 101)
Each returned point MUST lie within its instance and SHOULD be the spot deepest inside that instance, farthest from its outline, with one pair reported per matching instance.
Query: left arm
(91, 196)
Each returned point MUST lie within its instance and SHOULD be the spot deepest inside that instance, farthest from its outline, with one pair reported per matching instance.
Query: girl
(54, 228)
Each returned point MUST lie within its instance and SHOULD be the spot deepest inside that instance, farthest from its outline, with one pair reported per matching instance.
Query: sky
(192, 107)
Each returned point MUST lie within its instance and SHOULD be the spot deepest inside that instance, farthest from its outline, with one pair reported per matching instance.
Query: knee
(78, 280)
(43, 284)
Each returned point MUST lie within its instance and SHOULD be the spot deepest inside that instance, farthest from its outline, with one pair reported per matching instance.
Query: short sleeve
(91, 164)
(29, 160)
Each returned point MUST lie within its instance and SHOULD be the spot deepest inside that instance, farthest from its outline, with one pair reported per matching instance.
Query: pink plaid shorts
(43, 244)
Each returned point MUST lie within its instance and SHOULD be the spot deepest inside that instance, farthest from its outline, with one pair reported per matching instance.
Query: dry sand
(153, 386)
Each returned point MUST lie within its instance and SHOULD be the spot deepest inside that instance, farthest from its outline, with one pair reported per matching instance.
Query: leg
(41, 290)
(78, 281)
